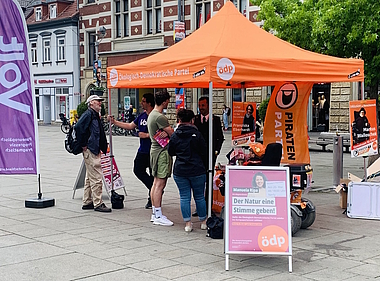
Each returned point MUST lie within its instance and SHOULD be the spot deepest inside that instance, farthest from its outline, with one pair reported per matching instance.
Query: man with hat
(90, 134)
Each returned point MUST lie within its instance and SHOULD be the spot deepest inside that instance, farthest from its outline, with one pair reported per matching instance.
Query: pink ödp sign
(257, 211)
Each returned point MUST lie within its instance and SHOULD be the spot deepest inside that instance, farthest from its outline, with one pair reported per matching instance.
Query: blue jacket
(190, 149)
(90, 132)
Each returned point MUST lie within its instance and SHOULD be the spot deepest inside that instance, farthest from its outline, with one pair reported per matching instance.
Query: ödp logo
(287, 96)
(273, 238)
(113, 77)
(225, 69)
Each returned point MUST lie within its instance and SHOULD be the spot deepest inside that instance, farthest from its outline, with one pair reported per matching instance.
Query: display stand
(257, 216)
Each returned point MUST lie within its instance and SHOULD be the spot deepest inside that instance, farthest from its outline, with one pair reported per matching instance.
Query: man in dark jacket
(201, 122)
(90, 134)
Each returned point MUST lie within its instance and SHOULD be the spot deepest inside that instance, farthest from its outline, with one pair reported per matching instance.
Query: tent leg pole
(210, 150)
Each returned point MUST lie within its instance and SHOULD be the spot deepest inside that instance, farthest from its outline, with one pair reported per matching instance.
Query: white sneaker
(152, 217)
(162, 221)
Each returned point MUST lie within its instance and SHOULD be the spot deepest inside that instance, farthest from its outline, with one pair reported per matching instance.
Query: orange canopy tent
(229, 51)
(232, 52)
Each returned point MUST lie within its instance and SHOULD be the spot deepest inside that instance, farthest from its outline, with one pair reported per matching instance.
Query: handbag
(215, 227)
(117, 200)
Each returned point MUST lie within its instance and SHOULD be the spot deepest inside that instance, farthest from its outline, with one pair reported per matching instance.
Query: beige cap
(94, 97)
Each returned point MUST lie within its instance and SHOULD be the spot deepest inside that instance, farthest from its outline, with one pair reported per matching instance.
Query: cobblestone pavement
(67, 243)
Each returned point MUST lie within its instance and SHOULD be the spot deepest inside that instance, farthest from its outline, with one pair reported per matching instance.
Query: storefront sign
(243, 123)
(53, 80)
(363, 129)
(257, 211)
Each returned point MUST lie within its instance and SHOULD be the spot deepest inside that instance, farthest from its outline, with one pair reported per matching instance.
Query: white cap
(94, 97)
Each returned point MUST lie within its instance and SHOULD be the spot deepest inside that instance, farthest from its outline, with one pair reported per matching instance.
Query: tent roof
(231, 51)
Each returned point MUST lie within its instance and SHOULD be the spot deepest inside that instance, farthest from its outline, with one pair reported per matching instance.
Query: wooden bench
(326, 138)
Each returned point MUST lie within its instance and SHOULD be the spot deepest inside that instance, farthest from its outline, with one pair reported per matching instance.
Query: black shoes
(148, 204)
(88, 206)
(195, 214)
(103, 208)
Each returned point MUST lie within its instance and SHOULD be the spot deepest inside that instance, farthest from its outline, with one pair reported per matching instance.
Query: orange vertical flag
(285, 121)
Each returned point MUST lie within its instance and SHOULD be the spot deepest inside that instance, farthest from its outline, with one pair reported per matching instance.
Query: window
(91, 48)
(46, 54)
(203, 12)
(153, 16)
(241, 5)
(38, 12)
(53, 11)
(60, 48)
(33, 48)
(90, 1)
(236, 95)
(122, 18)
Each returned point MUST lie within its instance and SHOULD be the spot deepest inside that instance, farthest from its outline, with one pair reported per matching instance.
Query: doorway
(321, 107)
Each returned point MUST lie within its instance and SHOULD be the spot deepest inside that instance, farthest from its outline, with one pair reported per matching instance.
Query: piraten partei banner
(285, 121)
(18, 130)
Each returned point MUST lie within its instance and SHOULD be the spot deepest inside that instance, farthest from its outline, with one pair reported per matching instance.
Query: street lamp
(99, 36)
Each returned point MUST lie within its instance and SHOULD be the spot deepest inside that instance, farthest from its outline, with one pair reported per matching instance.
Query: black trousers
(141, 163)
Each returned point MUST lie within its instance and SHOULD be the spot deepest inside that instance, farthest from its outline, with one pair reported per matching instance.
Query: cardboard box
(342, 194)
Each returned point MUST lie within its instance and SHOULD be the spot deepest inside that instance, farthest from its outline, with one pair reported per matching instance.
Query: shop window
(236, 95)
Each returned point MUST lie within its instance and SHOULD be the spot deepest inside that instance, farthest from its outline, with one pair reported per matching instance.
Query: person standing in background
(201, 122)
(90, 135)
(189, 172)
(142, 159)
(226, 113)
(160, 161)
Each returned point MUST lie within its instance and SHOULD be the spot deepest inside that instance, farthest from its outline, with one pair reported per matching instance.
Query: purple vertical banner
(18, 131)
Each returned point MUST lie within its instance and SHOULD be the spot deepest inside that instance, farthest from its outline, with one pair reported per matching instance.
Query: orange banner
(243, 123)
(363, 128)
(285, 121)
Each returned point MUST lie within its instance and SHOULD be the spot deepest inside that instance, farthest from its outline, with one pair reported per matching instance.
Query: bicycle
(65, 126)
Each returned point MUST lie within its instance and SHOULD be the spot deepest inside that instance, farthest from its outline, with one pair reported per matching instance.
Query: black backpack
(71, 142)
(215, 227)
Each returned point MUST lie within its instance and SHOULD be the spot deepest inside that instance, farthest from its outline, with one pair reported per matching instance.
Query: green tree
(82, 107)
(342, 28)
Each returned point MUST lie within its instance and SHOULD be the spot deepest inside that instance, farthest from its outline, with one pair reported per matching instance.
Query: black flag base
(39, 202)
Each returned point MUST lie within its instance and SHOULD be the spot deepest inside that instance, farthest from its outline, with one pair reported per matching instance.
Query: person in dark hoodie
(189, 173)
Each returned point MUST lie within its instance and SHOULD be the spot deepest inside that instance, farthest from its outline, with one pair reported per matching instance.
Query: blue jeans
(225, 121)
(185, 185)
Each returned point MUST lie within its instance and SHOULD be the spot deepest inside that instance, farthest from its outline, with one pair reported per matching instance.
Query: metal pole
(364, 158)
(179, 8)
(337, 160)
(210, 150)
(110, 128)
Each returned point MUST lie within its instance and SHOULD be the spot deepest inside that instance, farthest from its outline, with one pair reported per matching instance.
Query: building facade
(53, 35)
(135, 29)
